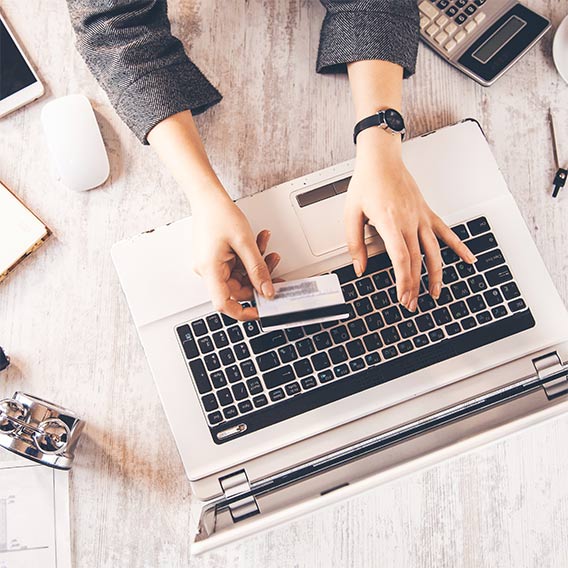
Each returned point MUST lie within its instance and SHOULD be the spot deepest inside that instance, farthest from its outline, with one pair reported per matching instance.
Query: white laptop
(272, 426)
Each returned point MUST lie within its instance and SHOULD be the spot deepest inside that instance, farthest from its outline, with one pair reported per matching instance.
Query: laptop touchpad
(320, 212)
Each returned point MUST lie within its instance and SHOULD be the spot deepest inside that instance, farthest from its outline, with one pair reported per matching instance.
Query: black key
(378, 263)
(483, 317)
(460, 230)
(267, 361)
(212, 361)
(205, 344)
(517, 305)
(255, 386)
(199, 327)
(476, 303)
(405, 346)
(477, 283)
(294, 333)
(187, 341)
(365, 286)
(470, 9)
(389, 352)
(499, 311)
(322, 340)
(226, 355)
(209, 402)
(287, 353)
(460, 18)
(406, 313)
(436, 335)
(292, 389)
(425, 322)
(392, 315)
(390, 335)
(372, 342)
(493, 297)
(349, 292)
(230, 412)
(320, 361)
(374, 321)
(303, 367)
(357, 327)
(214, 322)
(260, 400)
(355, 348)
(218, 379)
(468, 323)
(380, 300)
(425, 283)
(325, 376)
(382, 280)
(338, 354)
(357, 364)
(339, 334)
(443, 4)
(460, 4)
(510, 291)
(225, 397)
(498, 275)
(239, 391)
(220, 339)
(267, 341)
(392, 295)
(276, 395)
(241, 351)
(460, 290)
(345, 274)
(441, 316)
(247, 367)
(407, 329)
(372, 358)
(426, 303)
(245, 406)
(445, 296)
(215, 417)
(311, 329)
(233, 374)
(309, 382)
(449, 275)
(352, 315)
(451, 12)
(489, 260)
(251, 328)
(305, 347)
(449, 256)
(421, 340)
(453, 328)
(362, 306)
(482, 243)
(465, 269)
(235, 334)
(459, 310)
(279, 376)
(341, 370)
(228, 320)
(479, 2)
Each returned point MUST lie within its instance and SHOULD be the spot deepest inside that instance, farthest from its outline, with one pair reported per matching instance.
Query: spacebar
(279, 376)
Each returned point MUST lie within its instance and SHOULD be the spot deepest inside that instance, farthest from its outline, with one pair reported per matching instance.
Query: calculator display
(498, 40)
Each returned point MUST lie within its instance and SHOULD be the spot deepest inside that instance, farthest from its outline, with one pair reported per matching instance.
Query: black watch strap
(377, 119)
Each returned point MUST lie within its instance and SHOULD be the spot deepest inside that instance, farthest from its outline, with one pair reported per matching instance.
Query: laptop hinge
(547, 366)
(237, 491)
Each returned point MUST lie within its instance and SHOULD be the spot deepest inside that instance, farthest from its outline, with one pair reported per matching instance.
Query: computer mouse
(75, 142)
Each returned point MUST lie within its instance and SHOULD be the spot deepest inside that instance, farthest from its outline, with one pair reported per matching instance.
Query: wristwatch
(389, 119)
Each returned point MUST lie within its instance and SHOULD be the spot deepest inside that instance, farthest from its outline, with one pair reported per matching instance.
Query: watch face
(394, 120)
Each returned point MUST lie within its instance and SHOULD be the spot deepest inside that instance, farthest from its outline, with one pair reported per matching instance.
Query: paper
(34, 516)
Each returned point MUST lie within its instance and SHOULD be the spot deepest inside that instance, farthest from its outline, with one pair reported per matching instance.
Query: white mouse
(75, 142)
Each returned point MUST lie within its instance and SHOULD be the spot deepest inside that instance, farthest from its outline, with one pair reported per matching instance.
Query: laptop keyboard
(247, 379)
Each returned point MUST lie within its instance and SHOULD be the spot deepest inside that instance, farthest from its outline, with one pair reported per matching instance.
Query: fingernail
(357, 267)
(405, 298)
(472, 258)
(412, 306)
(267, 289)
(436, 289)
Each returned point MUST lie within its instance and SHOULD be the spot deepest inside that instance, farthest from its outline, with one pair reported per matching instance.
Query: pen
(561, 173)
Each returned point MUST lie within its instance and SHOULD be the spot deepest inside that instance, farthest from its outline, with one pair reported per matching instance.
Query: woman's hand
(227, 255)
(384, 194)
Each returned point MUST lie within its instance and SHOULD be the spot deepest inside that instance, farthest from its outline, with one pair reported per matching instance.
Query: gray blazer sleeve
(355, 30)
(129, 47)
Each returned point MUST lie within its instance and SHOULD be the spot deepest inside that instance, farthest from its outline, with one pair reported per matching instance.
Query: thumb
(256, 268)
(355, 234)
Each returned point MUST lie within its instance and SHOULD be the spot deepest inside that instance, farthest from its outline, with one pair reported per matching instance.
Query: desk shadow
(112, 145)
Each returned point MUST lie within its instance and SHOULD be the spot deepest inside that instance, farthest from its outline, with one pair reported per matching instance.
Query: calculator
(481, 38)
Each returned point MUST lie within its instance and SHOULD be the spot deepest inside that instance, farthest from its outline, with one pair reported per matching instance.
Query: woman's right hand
(227, 255)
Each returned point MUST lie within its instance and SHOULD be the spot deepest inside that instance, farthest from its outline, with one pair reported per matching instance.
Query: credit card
(302, 302)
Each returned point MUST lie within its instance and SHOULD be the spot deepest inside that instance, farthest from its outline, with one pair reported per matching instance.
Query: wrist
(205, 192)
(377, 142)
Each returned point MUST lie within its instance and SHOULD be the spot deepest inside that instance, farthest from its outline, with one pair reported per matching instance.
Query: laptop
(271, 426)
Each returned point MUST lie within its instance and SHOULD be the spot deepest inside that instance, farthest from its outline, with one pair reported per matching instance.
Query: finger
(217, 281)
(256, 268)
(355, 235)
(398, 252)
(453, 241)
(272, 261)
(433, 261)
(415, 256)
(262, 240)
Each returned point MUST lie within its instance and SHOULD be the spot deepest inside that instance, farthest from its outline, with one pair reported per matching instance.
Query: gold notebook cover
(21, 231)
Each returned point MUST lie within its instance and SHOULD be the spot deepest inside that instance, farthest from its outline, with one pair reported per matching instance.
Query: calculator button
(451, 11)
(428, 9)
(460, 36)
(470, 26)
(451, 28)
(432, 30)
(442, 21)
(479, 2)
(460, 19)
(460, 3)
(479, 17)
(424, 21)
(443, 4)
(470, 9)
(441, 38)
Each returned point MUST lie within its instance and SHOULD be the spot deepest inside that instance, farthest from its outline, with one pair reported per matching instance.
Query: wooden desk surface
(64, 320)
